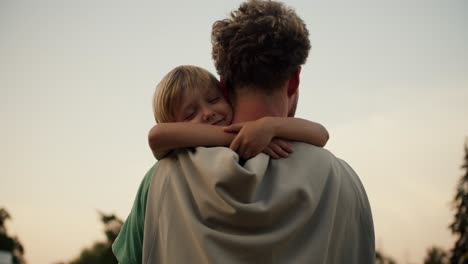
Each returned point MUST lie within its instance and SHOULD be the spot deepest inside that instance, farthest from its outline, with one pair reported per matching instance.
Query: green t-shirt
(128, 246)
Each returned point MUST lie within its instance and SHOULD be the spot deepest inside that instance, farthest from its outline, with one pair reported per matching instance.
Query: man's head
(190, 94)
(260, 49)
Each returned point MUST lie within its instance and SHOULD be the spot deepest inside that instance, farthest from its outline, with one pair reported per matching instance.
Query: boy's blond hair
(168, 95)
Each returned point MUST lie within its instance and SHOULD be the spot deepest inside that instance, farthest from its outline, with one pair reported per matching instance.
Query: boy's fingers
(233, 127)
(247, 150)
(230, 129)
(234, 145)
(285, 145)
(270, 153)
(243, 153)
(251, 152)
(240, 148)
(282, 153)
(278, 150)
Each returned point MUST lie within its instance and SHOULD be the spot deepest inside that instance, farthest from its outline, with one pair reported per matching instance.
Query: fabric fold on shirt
(204, 207)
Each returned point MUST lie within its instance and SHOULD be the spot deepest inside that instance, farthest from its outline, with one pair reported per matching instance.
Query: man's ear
(293, 83)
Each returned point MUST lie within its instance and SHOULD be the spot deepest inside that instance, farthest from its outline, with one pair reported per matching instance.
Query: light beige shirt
(204, 207)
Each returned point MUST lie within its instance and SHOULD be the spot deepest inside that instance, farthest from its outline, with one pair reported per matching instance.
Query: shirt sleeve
(128, 246)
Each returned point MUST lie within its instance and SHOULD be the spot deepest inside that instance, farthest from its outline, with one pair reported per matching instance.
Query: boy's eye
(189, 116)
(214, 100)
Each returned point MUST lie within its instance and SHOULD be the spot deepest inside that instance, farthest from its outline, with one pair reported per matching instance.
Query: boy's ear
(293, 83)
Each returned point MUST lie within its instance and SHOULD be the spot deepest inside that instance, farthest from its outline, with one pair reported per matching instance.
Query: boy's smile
(205, 106)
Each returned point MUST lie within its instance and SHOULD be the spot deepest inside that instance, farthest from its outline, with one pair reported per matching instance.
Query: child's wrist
(272, 124)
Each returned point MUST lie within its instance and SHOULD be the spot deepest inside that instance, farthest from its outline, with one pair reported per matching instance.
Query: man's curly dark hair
(261, 44)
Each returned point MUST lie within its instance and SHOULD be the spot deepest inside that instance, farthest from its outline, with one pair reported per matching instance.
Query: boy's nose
(208, 114)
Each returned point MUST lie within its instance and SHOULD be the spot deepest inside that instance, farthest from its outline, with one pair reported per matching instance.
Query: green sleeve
(128, 246)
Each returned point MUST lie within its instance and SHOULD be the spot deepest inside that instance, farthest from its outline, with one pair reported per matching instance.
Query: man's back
(204, 207)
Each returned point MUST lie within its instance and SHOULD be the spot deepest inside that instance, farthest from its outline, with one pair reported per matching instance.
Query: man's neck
(252, 106)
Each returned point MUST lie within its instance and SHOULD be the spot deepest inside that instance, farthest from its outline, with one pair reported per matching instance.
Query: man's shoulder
(198, 155)
(307, 151)
(303, 153)
(312, 158)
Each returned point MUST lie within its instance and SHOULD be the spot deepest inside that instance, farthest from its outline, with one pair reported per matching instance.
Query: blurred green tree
(101, 251)
(8, 243)
(459, 226)
(380, 258)
(436, 255)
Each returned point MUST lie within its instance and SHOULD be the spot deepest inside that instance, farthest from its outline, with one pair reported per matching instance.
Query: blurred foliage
(101, 251)
(381, 258)
(8, 243)
(459, 227)
(436, 255)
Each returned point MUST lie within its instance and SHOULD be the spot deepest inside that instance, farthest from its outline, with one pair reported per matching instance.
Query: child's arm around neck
(299, 129)
(165, 137)
(254, 136)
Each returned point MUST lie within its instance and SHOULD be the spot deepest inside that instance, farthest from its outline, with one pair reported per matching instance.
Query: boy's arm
(298, 129)
(165, 137)
(253, 137)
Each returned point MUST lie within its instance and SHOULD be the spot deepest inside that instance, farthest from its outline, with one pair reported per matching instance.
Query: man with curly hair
(210, 206)
(261, 48)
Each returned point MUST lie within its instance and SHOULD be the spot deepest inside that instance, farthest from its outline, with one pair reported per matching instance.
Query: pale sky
(387, 78)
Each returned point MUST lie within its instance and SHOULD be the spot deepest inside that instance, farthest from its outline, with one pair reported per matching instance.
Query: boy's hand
(252, 138)
(278, 149)
(256, 136)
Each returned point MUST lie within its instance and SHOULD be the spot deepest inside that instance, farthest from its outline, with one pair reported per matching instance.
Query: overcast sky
(387, 78)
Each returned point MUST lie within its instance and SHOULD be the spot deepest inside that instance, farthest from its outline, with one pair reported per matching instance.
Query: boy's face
(205, 106)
